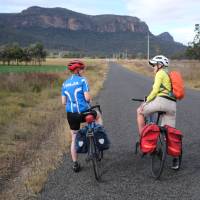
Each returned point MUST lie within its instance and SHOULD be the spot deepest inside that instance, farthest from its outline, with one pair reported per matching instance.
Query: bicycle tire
(100, 155)
(94, 158)
(159, 156)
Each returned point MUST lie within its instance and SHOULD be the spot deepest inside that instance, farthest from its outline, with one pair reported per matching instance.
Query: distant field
(51, 65)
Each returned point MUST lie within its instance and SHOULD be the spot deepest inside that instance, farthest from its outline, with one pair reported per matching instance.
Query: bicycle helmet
(159, 59)
(75, 64)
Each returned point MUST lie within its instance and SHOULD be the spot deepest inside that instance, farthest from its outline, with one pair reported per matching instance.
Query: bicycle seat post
(159, 115)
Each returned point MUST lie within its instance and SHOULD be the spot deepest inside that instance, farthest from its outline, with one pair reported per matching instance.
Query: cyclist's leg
(74, 120)
(73, 150)
(140, 119)
(145, 110)
(99, 119)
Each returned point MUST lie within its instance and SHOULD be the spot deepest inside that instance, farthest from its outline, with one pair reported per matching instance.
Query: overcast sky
(178, 17)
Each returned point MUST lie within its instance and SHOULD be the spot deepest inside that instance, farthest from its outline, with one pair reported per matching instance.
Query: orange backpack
(177, 85)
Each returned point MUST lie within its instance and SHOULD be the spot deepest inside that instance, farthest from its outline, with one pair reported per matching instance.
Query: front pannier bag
(81, 144)
(174, 141)
(101, 138)
(149, 138)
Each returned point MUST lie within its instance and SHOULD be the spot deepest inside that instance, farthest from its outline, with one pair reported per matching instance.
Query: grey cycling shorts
(162, 104)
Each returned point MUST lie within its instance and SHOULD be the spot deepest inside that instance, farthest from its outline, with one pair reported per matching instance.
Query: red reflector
(89, 118)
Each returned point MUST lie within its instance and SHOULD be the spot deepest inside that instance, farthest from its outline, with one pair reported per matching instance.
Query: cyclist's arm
(63, 100)
(86, 90)
(156, 87)
(63, 96)
(87, 96)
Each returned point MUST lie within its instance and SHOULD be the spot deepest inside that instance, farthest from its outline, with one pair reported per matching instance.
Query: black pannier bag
(101, 138)
(81, 143)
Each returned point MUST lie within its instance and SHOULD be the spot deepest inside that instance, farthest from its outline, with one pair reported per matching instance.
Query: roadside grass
(33, 129)
(190, 69)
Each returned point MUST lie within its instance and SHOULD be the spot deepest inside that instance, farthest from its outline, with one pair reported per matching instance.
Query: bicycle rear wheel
(158, 157)
(95, 158)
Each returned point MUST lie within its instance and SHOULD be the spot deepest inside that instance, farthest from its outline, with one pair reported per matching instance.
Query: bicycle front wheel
(158, 157)
(94, 158)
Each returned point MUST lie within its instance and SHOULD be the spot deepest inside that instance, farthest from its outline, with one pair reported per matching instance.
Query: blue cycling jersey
(74, 88)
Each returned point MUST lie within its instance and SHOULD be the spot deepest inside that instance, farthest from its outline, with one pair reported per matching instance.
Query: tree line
(15, 55)
(193, 49)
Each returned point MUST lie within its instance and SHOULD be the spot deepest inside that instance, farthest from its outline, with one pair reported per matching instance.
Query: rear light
(89, 118)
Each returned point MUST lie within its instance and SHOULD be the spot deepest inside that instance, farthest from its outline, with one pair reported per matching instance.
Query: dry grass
(189, 69)
(33, 140)
(64, 61)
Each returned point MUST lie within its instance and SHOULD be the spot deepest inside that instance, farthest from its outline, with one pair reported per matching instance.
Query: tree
(39, 53)
(193, 49)
(14, 54)
(8, 54)
(17, 53)
(26, 55)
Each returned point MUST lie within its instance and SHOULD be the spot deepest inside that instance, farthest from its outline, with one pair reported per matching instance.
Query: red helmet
(75, 64)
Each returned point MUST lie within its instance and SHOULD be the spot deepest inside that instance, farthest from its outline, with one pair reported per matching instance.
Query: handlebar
(96, 106)
(140, 100)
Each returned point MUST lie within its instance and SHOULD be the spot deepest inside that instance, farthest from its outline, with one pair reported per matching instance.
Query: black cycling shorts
(75, 119)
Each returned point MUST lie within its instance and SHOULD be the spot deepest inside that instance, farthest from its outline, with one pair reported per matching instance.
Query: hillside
(63, 29)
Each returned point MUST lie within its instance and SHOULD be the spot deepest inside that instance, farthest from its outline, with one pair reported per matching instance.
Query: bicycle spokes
(158, 157)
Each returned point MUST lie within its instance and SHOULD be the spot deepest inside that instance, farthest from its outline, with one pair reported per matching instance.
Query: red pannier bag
(149, 138)
(174, 141)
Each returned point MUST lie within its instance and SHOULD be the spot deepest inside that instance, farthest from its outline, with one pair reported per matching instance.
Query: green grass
(31, 68)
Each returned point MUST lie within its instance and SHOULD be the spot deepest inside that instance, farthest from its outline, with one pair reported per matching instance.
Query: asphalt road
(125, 175)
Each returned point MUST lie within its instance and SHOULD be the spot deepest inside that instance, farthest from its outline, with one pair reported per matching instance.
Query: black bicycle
(158, 156)
(94, 154)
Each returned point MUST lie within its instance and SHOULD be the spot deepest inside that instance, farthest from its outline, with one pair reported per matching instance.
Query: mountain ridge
(49, 25)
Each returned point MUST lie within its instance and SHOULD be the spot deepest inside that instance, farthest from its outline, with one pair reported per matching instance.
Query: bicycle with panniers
(159, 141)
(93, 140)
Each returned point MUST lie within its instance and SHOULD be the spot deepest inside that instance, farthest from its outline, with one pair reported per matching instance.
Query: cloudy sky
(178, 17)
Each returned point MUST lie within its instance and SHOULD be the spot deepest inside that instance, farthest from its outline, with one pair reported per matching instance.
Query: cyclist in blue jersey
(76, 98)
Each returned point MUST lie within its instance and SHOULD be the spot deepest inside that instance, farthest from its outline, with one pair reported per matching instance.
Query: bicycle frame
(93, 153)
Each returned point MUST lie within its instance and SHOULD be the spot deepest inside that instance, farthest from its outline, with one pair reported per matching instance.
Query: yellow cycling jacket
(161, 86)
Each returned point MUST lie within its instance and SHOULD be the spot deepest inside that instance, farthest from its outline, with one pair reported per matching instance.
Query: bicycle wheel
(94, 158)
(100, 155)
(158, 156)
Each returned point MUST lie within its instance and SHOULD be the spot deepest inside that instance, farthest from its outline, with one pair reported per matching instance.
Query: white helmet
(159, 59)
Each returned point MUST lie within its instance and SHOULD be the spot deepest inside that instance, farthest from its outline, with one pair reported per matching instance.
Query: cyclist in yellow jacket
(159, 98)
